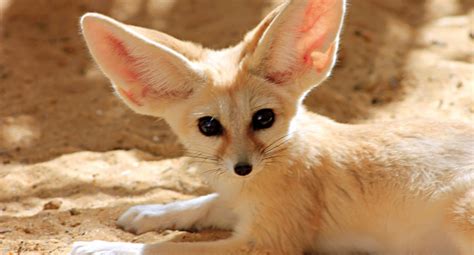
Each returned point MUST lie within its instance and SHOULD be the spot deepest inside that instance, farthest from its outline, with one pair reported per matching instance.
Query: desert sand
(73, 157)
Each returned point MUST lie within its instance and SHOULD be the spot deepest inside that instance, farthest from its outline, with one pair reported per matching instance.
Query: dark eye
(262, 119)
(210, 126)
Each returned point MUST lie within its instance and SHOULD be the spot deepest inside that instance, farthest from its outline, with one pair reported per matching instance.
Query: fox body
(287, 181)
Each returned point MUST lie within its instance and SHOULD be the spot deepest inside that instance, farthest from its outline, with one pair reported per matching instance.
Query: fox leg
(231, 246)
(461, 222)
(202, 212)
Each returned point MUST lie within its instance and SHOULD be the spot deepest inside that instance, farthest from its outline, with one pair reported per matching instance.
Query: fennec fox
(287, 181)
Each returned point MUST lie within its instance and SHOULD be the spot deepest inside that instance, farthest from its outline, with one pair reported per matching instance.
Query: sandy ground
(72, 157)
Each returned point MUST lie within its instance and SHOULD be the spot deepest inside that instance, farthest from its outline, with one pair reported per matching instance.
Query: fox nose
(242, 169)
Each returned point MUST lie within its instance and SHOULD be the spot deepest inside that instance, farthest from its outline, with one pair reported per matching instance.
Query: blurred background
(72, 156)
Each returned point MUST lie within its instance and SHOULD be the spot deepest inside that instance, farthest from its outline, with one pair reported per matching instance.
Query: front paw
(143, 218)
(106, 248)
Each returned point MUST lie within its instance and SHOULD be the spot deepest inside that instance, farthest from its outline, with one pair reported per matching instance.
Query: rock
(4, 230)
(74, 212)
(52, 205)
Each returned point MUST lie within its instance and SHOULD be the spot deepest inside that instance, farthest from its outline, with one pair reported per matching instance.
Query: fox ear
(298, 48)
(145, 73)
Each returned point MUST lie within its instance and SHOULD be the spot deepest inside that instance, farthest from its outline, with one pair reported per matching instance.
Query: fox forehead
(221, 67)
(235, 101)
(229, 89)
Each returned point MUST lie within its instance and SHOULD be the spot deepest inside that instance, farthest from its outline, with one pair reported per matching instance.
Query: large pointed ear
(145, 73)
(298, 48)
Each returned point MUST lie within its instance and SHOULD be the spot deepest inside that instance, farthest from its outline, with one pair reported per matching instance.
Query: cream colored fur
(402, 187)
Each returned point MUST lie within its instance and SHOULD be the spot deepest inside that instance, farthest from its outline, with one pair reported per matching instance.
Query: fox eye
(263, 119)
(210, 126)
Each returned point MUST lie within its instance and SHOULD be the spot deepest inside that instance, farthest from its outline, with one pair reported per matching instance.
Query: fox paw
(106, 248)
(143, 218)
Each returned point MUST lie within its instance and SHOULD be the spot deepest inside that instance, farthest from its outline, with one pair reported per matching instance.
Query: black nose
(242, 169)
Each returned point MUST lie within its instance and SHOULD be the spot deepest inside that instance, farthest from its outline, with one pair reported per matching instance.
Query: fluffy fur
(390, 188)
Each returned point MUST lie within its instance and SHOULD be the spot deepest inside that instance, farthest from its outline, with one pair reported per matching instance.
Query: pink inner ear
(311, 15)
(315, 27)
(317, 43)
(315, 22)
(141, 73)
(279, 77)
(147, 91)
(321, 61)
(130, 96)
(126, 60)
(125, 66)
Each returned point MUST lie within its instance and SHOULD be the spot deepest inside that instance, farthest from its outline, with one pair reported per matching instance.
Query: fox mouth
(267, 156)
(214, 169)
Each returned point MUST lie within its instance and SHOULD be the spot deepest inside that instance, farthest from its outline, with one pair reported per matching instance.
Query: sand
(73, 157)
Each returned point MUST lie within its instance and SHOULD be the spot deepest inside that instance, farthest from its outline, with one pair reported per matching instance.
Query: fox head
(231, 108)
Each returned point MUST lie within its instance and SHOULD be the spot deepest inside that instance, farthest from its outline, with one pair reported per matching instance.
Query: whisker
(210, 170)
(273, 142)
(202, 153)
(199, 157)
(273, 157)
(277, 147)
(280, 140)
(277, 150)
